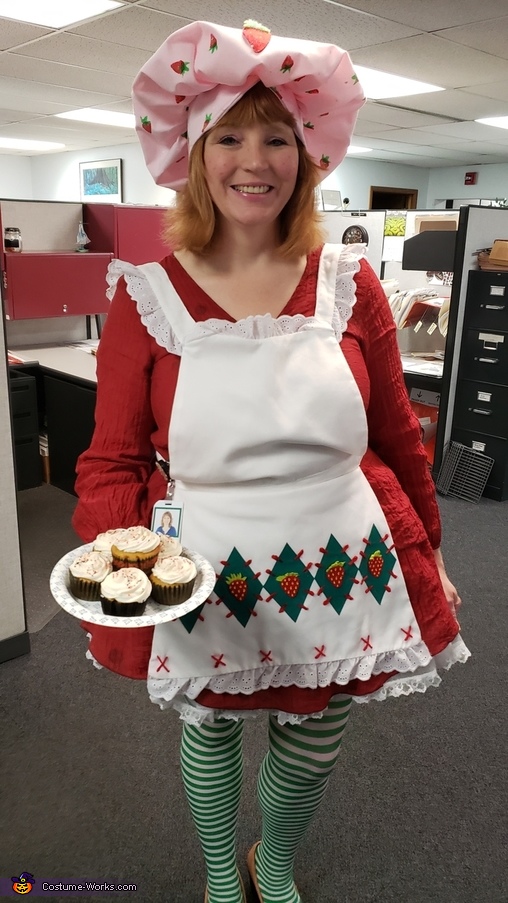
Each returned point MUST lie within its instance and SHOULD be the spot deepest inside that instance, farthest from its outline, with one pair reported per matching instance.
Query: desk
(67, 389)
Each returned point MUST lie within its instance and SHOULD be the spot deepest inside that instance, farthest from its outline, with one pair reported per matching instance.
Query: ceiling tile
(13, 33)
(428, 16)
(433, 60)
(133, 27)
(317, 20)
(488, 36)
(56, 73)
(92, 54)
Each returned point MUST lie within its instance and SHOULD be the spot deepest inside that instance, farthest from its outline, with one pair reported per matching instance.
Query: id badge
(167, 516)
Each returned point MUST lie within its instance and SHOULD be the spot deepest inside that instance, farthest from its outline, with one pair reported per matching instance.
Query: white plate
(153, 614)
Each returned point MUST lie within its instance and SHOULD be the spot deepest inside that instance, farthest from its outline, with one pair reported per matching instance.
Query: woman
(166, 525)
(263, 367)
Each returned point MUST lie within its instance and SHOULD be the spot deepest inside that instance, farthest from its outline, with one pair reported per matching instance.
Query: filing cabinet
(25, 430)
(480, 416)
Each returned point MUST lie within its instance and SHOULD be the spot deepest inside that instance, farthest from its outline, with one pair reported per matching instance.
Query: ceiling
(461, 45)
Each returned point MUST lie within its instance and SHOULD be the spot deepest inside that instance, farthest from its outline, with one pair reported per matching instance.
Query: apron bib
(266, 439)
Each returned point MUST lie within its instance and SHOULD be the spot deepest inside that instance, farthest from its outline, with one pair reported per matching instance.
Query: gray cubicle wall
(14, 638)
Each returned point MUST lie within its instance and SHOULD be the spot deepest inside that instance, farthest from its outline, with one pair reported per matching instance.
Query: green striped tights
(291, 784)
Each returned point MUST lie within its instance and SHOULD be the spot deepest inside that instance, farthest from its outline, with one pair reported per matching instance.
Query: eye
(228, 140)
(277, 142)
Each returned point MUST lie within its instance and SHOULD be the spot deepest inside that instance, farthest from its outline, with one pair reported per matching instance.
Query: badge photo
(167, 519)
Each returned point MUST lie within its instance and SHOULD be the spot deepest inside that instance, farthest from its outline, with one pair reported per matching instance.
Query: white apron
(265, 439)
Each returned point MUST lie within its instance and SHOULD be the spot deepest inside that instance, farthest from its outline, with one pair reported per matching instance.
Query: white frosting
(126, 585)
(91, 566)
(170, 546)
(174, 570)
(104, 541)
(137, 539)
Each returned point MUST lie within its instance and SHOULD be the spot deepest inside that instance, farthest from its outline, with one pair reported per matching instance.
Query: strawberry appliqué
(213, 44)
(290, 583)
(287, 64)
(208, 119)
(324, 161)
(257, 35)
(146, 124)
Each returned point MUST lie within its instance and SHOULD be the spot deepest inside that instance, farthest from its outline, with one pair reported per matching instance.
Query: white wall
(16, 177)
(55, 177)
(449, 182)
(355, 177)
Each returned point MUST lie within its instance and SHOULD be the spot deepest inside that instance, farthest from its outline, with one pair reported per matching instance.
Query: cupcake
(169, 547)
(104, 541)
(124, 592)
(86, 574)
(172, 580)
(136, 547)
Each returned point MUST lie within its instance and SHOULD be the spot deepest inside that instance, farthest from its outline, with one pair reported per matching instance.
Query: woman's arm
(113, 473)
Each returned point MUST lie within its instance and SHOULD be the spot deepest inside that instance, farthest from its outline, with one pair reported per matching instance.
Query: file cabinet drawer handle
(480, 411)
(487, 360)
(494, 306)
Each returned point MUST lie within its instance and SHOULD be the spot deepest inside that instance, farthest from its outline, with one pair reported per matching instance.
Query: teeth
(252, 189)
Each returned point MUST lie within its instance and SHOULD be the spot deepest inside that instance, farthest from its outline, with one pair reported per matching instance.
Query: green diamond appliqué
(238, 587)
(377, 563)
(289, 582)
(336, 574)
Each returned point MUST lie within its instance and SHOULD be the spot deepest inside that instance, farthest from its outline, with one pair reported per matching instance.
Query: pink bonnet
(203, 69)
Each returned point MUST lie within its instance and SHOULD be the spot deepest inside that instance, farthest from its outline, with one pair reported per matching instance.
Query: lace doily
(254, 327)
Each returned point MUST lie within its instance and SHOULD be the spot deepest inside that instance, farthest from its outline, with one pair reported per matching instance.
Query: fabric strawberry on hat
(203, 69)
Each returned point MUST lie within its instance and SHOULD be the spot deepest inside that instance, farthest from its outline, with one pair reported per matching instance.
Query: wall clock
(355, 235)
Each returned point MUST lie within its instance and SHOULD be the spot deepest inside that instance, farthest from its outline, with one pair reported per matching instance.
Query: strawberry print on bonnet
(203, 69)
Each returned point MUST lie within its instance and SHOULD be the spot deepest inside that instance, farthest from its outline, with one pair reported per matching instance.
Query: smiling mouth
(252, 189)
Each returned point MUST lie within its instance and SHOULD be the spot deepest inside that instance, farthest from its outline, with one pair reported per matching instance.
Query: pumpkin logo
(23, 884)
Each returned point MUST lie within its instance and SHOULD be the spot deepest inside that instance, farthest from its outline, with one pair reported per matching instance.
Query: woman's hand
(450, 591)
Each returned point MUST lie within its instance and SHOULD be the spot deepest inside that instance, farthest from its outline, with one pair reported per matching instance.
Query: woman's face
(251, 171)
(166, 520)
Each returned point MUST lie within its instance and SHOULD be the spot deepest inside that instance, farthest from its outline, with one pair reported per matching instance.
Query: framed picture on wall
(101, 181)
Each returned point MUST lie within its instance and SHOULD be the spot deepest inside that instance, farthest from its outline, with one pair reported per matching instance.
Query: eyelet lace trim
(256, 327)
(417, 672)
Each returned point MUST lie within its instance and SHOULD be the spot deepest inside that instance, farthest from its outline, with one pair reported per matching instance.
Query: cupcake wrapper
(143, 564)
(88, 590)
(122, 609)
(172, 595)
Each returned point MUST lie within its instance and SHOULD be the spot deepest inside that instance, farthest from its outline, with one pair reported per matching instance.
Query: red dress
(118, 483)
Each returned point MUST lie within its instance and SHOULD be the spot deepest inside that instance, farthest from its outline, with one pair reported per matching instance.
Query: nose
(254, 158)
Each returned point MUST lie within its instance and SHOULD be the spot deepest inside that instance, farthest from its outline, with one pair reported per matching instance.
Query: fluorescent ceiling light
(22, 144)
(102, 117)
(377, 85)
(55, 13)
(500, 122)
(354, 149)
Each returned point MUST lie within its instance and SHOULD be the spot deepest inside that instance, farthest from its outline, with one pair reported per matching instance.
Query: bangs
(259, 105)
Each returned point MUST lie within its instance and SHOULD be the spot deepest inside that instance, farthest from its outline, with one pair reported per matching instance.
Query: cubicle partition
(14, 639)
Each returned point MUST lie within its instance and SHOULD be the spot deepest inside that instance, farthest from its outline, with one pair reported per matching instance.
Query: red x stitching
(320, 651)
(163, 663)
(368, 644)
(219, 660)
(408, 634)
(265, 656)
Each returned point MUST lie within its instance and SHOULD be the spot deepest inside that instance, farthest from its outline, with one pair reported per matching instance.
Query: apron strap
(326, 283)
(171, 304)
